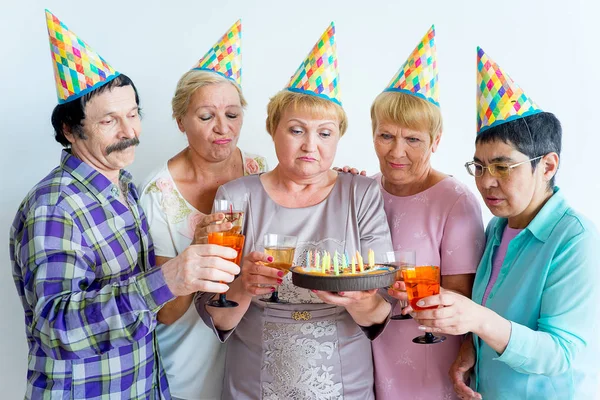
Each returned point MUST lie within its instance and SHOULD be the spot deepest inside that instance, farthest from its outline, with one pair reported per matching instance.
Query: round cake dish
(381, 276)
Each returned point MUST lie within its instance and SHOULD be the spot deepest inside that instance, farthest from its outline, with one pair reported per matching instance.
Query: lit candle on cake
(353, 265)
(308, 257)
(336, 266)
(361, 265)
(318, 263)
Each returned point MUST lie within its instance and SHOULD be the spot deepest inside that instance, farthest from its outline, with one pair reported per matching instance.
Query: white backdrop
(550, 47)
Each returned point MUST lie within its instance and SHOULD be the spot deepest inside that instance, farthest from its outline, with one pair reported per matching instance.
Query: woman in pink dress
(428, 211)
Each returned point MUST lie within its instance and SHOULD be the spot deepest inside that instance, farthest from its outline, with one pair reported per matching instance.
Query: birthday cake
(341, 273)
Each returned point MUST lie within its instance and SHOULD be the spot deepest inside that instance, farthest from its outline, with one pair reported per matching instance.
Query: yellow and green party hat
(499, 98)
(225, 57)
(318, 74)
(418, 75)
(77, 68)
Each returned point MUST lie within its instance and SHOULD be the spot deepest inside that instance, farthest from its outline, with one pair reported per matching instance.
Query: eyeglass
(497, 170)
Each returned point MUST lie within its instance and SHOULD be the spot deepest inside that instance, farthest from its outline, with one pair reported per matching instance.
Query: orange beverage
(421, 281)
(228, 239)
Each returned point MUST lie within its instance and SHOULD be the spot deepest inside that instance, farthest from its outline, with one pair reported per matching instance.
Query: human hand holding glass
(282, 249)
(422, 281)
(402, 259)
(231, 238)
(209, 223)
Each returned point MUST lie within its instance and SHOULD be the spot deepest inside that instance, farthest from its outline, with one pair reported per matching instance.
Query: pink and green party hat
(318, 74)
(225, 56)
(77, 68)
(499, 98)
(418, 75)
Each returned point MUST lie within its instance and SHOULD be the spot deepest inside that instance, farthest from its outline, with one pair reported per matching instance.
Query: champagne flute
(402, 259)
(282, 249)
(234, 213)
(236, 242)
(422, 281)
(231, 238)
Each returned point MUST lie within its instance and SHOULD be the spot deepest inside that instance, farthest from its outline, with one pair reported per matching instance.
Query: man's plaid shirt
(82, 263)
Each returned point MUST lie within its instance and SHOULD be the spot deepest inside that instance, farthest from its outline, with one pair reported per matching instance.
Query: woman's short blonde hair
(407, 111)
(192, 81)
(317, 106)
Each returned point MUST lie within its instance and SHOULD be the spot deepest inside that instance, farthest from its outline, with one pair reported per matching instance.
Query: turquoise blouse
(548, 289)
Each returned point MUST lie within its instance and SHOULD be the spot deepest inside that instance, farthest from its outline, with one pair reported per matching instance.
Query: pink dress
(443, 224)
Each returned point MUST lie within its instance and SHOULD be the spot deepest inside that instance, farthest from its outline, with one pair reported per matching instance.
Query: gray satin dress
(305, 349)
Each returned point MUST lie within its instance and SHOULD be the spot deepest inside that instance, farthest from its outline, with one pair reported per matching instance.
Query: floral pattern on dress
(384, 385)
(254, 164)
(398, 220)
(421, 198)
(299, 359)
(177, 209)
(171, 202)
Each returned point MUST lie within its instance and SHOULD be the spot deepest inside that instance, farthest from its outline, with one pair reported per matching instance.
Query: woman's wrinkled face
(306, 145)
(516, 194)
(404, 154)
(213, 121)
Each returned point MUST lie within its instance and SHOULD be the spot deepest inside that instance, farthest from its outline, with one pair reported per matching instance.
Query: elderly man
(81, 255)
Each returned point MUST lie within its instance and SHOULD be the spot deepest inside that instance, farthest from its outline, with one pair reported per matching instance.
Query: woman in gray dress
(317, 345)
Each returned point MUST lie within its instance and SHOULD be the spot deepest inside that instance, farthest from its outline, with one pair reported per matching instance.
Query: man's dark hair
(72, 114)
(535, 135)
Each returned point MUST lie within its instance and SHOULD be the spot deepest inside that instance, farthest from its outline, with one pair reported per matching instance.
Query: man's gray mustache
(122, 145)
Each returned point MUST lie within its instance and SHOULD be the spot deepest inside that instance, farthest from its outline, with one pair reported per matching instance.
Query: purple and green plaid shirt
(82, 263)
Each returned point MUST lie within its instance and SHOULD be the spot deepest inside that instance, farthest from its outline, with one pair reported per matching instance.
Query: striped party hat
(499, 98)
(318, 74)
(419, 74)
(77, 68)
(225, 57)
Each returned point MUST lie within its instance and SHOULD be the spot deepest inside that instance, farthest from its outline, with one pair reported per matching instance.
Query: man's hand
(201, 268)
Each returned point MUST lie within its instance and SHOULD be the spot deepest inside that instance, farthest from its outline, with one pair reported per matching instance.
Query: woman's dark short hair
(534, 135)
(72, 114)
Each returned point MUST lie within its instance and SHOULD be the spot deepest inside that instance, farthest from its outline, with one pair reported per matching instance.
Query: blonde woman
(428, 211)
(177, 199)
(317, 345)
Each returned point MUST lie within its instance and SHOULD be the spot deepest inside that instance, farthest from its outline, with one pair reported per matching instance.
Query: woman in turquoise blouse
(534, 318)
(537, 333)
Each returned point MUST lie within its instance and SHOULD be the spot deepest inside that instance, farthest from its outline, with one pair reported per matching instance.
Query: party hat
(77, 68)
(225, 57)
(318, 74)
(499, 98)
(419, 74)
